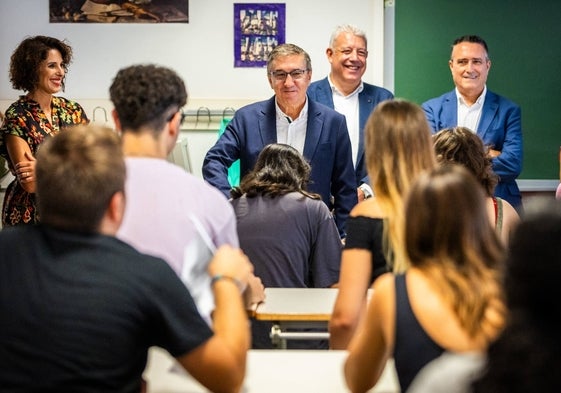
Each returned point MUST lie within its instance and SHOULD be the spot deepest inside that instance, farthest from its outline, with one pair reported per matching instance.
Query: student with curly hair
(168, 208)
(463, 146)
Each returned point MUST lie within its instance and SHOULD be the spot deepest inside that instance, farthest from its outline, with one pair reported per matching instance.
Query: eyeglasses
(294, 74)
(348, 51)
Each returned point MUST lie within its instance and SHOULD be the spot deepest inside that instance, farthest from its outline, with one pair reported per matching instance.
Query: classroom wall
(201, 50)
(202, 53)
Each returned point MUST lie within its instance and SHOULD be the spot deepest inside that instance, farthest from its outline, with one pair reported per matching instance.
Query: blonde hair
(398, 147)
(450, 239)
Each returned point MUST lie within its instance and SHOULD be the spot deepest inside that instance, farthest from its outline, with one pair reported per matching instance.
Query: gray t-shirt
(292, 240)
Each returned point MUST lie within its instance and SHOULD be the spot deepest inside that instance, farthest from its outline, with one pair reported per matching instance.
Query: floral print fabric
(25, 119)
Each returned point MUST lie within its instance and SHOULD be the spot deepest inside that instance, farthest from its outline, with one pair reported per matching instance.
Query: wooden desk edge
(252, 310)
(292, 317)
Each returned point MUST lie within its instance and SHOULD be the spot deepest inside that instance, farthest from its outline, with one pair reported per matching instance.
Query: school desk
(269, 371)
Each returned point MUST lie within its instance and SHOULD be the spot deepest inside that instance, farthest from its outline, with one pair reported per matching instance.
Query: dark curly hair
(527, 355)
(146, 95)
(28, 56)
(462, 146)
(279, 170)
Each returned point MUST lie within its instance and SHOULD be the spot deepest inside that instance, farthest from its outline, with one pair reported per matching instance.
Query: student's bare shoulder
(510, 215)
(384, 284)
(368, 208)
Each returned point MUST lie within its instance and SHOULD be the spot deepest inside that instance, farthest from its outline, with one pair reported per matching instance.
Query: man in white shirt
(494, 118)
(344, 91)
(317, 132)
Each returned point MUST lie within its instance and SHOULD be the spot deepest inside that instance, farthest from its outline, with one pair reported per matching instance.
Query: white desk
(297, 304)
(269, 371)
(297, 308)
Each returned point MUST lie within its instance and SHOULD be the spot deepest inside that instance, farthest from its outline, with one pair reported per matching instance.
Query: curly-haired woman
(38, 66)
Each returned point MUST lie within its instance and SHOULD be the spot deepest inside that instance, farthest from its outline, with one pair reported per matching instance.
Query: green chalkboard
(524, 39)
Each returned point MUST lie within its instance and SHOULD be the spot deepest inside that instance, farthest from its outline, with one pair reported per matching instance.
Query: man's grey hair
(288, 50)
(347, 29)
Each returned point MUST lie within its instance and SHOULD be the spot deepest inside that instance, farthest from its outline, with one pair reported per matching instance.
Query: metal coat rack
(204, 115)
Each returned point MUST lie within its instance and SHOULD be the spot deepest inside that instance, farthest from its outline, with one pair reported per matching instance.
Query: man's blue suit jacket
(500, 127)
(368, 98)
(327, 148)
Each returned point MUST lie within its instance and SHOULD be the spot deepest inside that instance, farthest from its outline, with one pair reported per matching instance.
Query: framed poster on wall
(258, 28)
(119, 11)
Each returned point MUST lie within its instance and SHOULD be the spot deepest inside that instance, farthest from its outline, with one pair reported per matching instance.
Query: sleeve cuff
(367, 190)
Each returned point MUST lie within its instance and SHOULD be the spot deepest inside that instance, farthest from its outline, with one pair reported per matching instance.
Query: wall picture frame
(119, 11)
(258, 28)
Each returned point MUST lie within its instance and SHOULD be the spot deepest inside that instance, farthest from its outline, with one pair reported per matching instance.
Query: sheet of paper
(197, 256)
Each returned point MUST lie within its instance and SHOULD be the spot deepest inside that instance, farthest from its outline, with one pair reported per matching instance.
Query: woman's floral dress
(25, 119)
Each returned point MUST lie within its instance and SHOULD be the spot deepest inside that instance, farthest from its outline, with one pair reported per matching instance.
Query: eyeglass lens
(294, 74)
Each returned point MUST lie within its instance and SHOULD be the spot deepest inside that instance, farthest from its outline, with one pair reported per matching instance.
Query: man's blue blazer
(327, 148)
(368, 98)
(500, 128)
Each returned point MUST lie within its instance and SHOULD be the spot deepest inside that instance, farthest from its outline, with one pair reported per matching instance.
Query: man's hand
(254, 293)
(364, 191)
(25, 170)
(231, 262)
(360, 194)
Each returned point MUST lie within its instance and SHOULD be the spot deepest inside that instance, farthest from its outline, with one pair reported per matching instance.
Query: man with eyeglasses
(317, 132)
(165, 203)
(344, 90)
(494, 118)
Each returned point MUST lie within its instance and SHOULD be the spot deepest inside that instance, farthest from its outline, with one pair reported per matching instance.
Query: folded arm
(23, 162)
(507, 159)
